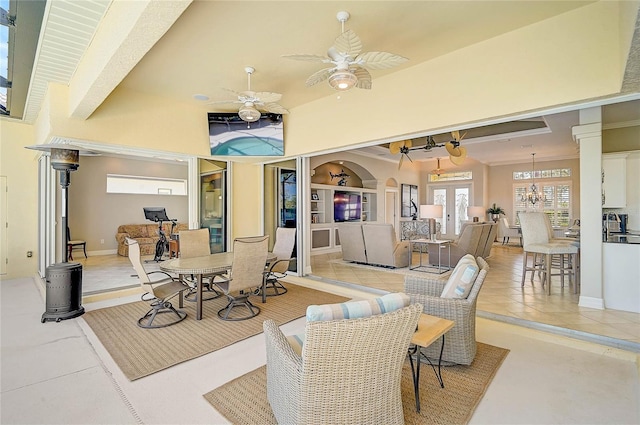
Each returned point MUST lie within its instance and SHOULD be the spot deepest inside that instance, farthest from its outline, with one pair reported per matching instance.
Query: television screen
(230, 135)
(346, 206)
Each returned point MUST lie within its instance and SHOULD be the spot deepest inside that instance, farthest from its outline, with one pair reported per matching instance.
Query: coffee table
(430, 328)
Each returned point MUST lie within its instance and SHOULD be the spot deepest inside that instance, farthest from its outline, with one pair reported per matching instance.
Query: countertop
(631, 237)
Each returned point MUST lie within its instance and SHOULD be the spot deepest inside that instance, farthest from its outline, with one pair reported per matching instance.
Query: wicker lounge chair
(460, 341)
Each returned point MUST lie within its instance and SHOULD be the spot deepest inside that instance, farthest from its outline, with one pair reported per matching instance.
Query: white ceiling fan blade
(319, 76)
(348, 43)
(274, 108)
(267, 97)
(379, 60)
(308, 58)
(364, 78)
(221, 102)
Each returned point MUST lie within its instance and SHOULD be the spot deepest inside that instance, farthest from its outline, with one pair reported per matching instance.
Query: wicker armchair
(460, 341)
(349, 371)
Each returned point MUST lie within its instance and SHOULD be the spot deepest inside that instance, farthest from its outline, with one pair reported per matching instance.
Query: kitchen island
(621, 272)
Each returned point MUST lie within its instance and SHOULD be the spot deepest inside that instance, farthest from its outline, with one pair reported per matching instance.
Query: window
(557, 205)
(145, 185)
(450, 176)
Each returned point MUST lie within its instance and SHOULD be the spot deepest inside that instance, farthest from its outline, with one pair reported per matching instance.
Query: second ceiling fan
(457, 153)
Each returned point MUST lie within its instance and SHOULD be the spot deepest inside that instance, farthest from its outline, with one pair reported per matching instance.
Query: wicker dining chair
(349, 370)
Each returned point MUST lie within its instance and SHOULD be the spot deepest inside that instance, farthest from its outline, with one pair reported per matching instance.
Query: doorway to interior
(454, 199)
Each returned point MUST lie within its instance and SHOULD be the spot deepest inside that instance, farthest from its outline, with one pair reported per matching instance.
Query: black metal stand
(415, 371)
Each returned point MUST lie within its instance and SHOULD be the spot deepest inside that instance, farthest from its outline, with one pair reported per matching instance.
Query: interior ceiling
(210, 44)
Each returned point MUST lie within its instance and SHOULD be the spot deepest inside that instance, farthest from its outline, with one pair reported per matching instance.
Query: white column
(589, 137)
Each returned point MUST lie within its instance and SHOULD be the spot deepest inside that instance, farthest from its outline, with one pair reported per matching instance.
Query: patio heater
(63, 280)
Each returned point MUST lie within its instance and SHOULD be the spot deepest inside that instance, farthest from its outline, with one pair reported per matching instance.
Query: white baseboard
(103, 252)
(591, 302)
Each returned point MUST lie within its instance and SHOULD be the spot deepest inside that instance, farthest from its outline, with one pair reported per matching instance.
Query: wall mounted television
(229, 135)
(346, 206)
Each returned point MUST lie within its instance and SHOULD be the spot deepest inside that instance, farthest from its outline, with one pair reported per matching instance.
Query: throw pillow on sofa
(462, 278)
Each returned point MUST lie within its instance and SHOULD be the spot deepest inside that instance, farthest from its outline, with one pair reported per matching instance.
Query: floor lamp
(63, 280)
(431, 212)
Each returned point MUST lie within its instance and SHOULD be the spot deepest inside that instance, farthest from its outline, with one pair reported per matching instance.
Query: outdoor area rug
(140, 352)
(463, 389)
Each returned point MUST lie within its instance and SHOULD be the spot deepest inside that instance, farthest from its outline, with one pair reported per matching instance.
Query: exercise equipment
(159, 214)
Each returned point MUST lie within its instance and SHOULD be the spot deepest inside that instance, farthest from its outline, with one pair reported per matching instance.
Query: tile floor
(502, 296)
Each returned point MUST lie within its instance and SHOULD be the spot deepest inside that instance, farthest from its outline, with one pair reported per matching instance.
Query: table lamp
(431, 212)
(476, 212)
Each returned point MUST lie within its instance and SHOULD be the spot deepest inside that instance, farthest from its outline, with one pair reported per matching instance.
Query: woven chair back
(194, 243)
(249, 259)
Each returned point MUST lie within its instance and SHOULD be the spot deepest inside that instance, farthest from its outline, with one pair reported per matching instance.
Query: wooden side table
(430, 328)
(174, 248)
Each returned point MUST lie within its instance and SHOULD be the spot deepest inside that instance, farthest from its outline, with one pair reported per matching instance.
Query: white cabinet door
(614, 180)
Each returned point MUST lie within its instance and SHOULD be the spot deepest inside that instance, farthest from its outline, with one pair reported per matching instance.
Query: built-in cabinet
(614, 180)
(324, 231)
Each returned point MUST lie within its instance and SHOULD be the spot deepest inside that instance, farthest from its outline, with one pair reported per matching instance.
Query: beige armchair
(460, 341)
(383, 248)
(467, 243)
(348, 370)
(352, 242)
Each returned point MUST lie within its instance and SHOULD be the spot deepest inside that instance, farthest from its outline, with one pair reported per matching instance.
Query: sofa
(475, 239)
(373, 243)
(145, 234)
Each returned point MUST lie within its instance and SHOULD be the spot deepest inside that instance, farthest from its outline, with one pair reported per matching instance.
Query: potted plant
(495, 212)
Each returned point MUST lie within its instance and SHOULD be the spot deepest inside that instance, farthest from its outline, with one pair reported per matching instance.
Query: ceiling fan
(457, 153)
(254, 102)
(349, 65)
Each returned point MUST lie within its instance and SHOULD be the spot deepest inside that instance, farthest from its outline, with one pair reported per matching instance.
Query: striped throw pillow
(462, 278)
(357, 309)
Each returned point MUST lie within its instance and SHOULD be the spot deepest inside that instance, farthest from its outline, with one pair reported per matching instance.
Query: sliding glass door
(213, 205)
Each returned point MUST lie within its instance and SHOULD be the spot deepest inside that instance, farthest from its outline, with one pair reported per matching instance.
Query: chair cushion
(357, 309)
(296, 342)
(462, 278)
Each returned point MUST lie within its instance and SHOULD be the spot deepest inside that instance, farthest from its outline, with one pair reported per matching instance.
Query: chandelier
(533, 196)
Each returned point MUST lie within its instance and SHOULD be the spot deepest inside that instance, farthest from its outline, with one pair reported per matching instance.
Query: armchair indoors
(247, 272)
(434, 294)
(160, 290)
(348, 370)
(383, 248)
(467, 243)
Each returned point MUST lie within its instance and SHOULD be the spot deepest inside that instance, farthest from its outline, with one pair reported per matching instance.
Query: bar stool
(536, 241)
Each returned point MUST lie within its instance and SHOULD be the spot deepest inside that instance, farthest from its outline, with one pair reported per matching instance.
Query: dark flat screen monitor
(346, 206)
(230, 135)
(155, 214)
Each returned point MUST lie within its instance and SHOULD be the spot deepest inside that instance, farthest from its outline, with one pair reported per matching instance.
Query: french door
(454, 199)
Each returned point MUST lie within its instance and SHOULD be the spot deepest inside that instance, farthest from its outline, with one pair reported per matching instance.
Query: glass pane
(462, 202)
(212, 209)
(288, 207)
(440, 198)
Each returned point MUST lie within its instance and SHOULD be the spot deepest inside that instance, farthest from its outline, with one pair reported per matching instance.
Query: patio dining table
(208, 264)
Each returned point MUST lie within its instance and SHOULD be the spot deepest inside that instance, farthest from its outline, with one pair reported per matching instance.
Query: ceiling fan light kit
(253, 102)
(249, 114)
(342, 80)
